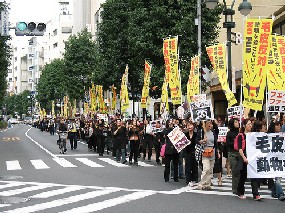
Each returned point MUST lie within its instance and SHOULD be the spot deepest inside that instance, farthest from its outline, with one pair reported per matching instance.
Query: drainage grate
(10, 200)
(10, 177)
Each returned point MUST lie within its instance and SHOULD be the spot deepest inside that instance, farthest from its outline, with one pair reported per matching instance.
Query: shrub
(3, 124)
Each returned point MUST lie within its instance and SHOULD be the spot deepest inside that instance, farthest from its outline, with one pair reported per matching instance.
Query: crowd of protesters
(129, 139)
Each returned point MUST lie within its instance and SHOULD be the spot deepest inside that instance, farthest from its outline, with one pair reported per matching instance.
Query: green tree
(5, 56)
(132, 31)
(52, 84)
(80, 63)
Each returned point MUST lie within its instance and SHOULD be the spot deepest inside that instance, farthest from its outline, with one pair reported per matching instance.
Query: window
(9, 70)
(10, 79)
(66, 30)
(55, 45)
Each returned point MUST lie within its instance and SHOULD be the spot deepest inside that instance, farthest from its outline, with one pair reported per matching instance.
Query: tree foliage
(52, 84)
(133, 30)
(5, 56)
(80, 63)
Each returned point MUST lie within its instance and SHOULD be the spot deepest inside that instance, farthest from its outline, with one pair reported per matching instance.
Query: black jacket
(169, 148)
(231, 135)
(191, 147)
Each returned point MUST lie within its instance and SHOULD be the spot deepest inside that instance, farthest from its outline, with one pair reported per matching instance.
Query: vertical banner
(170, 52)
(164, 108)
(274, 66)
(124, 94)
(114, 97)
(217, 55)
(52, 109)
(65, 113)
(193, 84)
(281, 51)
(145, 90)
(74, 108)
(257, 38)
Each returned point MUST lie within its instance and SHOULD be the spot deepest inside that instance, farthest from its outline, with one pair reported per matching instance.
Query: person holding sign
(207, 136)
(191, 165)
(170, 153)
(241, 138)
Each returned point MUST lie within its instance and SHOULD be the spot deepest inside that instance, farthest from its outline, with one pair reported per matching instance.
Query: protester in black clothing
(120, 139)
(191, 165)
(100, 138)
(158, 138)
(133, 134)
(63, 128)
(170, 154)
(233, 154)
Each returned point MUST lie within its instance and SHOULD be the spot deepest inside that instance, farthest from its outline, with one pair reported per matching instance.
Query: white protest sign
(265, 154)
(222, 134)
(276, 101)
(202, 111)
(178, 139)
(235, 112)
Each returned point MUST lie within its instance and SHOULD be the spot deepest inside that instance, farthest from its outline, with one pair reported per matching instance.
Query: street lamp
(244, 8)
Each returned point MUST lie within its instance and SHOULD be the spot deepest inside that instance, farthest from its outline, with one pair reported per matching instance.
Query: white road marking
(12, 184)
(57, 192)
(112, 162)
(144, 164)
(4, 205)
(39, 164)
(48, 152)
(13, 165)
(22, 190)
(77, 155)
(61, 202)
(63, 162)
(88, 162)
(94, 207)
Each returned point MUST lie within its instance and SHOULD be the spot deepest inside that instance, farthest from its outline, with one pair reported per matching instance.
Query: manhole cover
(10, 200)
(10, 177)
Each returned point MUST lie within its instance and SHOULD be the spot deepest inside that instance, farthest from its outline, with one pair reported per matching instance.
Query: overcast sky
(32, 10)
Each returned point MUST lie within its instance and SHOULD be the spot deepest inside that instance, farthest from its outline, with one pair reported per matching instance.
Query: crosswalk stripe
(88, 162)
(57, 192)
(109, 203)
(144, 164)
(4, 205)
(13, 165)
(112, 162)
(12, 185)
(63, 162)
(22, 190)
(39, 164)
(61, 202)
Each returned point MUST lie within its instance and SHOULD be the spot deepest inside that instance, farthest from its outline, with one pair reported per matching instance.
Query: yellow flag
(172, 73)
(145, 90)
(193, 84)
(114, 97)
(124, 94)
(164, 97)
(257, 38)
(52, 109)
(217, 55)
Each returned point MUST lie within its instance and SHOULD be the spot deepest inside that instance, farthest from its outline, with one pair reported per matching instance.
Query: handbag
(134, 138)
(162, 150)
(208, 152)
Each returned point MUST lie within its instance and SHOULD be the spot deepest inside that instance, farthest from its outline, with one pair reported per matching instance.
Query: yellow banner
(86, 108)
(145, 90)
(170, 51)
(164, 97)
(193, 84)
(217, 55)
(52, 109)
(257, 38)
(65, 113)
(274, 67)
(114, 97)
(281, 51)
(124, 94)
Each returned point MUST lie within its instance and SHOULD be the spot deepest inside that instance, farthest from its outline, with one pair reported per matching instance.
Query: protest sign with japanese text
(178, 139)
(222, 134)
(265, 154)
(202, 111)
(276, 101)
(235, 112)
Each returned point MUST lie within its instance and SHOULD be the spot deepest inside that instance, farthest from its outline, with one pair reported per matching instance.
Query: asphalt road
(33, 170)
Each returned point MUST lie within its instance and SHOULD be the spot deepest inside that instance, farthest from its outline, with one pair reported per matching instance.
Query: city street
(34, 177)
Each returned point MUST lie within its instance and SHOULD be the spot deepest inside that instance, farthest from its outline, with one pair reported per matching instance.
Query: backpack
(236, 142)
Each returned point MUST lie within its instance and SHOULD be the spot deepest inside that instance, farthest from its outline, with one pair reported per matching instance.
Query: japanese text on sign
(265, 154)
